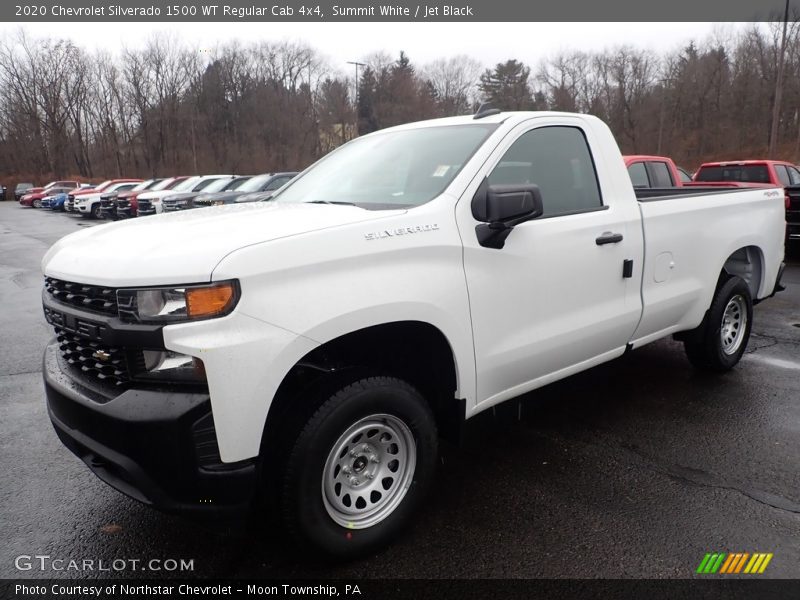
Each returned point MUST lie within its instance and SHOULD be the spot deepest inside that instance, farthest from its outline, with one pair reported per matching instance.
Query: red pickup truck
(648, 171)
(748, 173)
(758, 173)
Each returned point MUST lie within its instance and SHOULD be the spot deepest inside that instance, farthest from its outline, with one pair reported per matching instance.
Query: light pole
(776, 105)
(360, 64)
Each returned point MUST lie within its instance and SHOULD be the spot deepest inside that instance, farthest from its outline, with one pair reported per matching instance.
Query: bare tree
(454, 81)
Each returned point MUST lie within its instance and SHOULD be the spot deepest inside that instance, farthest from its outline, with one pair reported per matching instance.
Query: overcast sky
(489, 43)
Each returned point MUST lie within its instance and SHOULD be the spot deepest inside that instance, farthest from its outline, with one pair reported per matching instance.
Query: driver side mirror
(500, 208)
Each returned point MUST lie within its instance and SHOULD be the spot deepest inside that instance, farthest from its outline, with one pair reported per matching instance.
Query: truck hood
(209, 199)
(157, 194)
(185, 247)
(81, 193)
(181, 195)
(89, 195)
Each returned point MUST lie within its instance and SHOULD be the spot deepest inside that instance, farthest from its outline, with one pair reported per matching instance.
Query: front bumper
(157, 446)
(125, 213)
(174, 207)
(146, 208)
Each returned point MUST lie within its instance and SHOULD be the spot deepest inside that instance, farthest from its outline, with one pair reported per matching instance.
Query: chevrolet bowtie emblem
(101, 355)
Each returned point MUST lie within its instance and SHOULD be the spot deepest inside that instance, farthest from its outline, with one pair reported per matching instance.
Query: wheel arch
(747, 263)
(415, 351)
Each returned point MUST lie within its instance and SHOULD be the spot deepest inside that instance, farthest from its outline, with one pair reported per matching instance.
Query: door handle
(608, 238)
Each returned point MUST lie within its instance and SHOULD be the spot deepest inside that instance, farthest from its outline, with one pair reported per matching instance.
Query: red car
(34, 198)
(53, 184)
(748, 173)
(654, 171)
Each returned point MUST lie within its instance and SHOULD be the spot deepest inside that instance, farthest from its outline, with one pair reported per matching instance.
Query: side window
(662, 178)
(557, 159)
(794, 175)
(638, 175)
(783, 175)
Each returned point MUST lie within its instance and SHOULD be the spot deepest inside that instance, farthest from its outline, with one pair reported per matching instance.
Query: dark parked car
(249, 191)
(185, 200)
(21, 190)
(108, 202)
(128, 202)
(793, 215)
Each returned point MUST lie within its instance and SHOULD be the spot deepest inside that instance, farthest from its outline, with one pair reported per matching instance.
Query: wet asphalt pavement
(636, 468)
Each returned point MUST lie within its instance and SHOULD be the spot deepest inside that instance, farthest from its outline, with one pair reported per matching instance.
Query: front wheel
(727, 328)
(359, 468)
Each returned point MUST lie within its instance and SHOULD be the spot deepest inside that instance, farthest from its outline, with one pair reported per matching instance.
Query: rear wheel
(359, 467)
(726, 330)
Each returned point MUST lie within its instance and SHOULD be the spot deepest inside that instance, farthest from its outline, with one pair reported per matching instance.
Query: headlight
(178, 303)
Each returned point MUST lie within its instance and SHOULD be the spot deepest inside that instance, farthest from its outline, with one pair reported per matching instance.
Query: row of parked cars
(126, 198)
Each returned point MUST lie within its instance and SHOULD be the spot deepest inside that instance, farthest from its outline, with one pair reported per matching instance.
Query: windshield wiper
(339, 202)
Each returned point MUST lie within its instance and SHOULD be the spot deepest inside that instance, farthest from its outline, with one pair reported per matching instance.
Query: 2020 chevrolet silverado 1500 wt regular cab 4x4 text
(306, 354)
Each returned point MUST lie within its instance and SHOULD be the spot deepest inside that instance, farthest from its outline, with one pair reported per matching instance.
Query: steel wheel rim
(734, 322)
(368, 471)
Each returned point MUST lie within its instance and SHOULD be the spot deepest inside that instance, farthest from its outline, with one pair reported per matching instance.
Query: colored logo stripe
(735, 562)
(728, 562)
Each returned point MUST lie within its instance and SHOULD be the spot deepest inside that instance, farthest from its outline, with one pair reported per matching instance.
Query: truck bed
(683, 241)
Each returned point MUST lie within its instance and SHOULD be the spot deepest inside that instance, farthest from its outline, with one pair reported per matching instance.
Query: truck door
(555, 298)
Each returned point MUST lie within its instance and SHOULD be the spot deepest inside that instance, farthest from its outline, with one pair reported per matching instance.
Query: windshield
(236, 184)
(214, 185)
(254, 184)
(746, 173)
(390, 170)
(101, 186)
(143, 186)
(187, 184)
(163, 184)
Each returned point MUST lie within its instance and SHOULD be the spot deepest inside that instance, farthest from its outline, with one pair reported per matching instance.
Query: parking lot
(636, 468)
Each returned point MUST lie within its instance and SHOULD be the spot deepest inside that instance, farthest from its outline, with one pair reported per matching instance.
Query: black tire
(301, 496)
(95, 212)
(36, 204)
(707, 352)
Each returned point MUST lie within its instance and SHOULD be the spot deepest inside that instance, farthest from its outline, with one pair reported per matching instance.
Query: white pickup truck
(304, 355)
